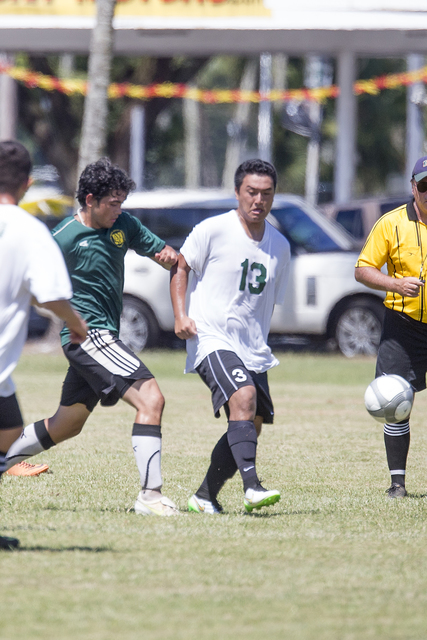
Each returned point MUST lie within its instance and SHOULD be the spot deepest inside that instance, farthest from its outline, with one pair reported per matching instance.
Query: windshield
(305, 235)
(174, 225)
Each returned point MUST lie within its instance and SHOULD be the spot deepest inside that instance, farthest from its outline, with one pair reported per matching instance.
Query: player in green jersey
(94, 242)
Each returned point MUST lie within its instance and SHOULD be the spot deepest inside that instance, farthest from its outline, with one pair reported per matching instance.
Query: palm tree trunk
(94, 129)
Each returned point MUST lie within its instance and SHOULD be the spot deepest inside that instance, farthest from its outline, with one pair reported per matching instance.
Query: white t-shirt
(31, 264)
(235, 284)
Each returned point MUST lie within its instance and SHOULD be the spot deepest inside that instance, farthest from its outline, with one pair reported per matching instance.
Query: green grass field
(333, 560)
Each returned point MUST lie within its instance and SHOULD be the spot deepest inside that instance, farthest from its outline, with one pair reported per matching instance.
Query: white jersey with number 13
(236, 282)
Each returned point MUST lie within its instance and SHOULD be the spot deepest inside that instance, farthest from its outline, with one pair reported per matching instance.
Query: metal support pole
(8, 104)
(192, 129)
(414, 122)
(265, 109)
(137, 145)
(314, 78)
(345, 154)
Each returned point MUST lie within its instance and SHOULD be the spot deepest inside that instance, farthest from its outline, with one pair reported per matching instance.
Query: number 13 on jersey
(260, 278)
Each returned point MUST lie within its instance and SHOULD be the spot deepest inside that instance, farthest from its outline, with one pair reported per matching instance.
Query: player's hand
(409, 286)
(78, 330)
(185, 328)
(167, 257)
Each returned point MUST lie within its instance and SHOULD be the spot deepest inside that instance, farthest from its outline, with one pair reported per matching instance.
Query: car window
(303, 233)
(174, 224)
(352, 221)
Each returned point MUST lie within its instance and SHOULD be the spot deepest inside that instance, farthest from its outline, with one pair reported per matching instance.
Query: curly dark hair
(256, 166)
(15, 166)
(101, 178)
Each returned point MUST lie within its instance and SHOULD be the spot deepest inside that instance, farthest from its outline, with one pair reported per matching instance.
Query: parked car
(322, 299)
(359, 216)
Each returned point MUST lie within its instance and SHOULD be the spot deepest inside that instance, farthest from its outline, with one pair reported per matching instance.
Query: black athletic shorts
(224, 373)
(102, 369)
(10, 413)
(403, 348)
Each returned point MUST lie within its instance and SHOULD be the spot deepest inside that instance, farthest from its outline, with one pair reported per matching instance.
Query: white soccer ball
(389, 398)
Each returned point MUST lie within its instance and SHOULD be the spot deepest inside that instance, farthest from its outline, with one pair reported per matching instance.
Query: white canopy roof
(157, 27)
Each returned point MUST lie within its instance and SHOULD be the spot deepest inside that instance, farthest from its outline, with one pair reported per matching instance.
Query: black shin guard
(222, 468)
(242, 438)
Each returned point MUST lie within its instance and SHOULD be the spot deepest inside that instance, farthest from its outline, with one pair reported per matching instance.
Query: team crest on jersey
(117, 237)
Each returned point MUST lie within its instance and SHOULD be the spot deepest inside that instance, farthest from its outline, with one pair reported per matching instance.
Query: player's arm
(185, 327)
(73, 320)
(373, 278)
(166, 258)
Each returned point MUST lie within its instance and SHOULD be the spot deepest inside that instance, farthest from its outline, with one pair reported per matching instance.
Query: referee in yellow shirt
(399, 239)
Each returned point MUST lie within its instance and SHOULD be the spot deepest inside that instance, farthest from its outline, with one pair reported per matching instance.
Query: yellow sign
(139, 8)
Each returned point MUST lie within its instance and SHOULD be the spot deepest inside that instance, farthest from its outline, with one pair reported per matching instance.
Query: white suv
(322, 298)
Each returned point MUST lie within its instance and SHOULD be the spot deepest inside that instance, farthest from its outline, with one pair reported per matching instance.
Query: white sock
(33, 440)
(147, 446)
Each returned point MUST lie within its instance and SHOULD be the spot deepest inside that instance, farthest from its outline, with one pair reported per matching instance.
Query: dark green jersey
(95, 262)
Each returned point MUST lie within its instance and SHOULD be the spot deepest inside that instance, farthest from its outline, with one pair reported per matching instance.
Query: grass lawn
(335, 559)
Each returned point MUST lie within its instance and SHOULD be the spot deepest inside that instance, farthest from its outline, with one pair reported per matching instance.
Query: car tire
(138, 326)
(358, 327)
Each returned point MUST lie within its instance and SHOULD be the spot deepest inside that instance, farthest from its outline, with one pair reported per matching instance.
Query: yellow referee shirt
(400, 240)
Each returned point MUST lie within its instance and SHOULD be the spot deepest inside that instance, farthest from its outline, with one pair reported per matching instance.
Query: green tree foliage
(381, 129)
(51, 123)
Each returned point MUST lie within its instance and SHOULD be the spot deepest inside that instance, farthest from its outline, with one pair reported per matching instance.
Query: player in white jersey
(239, 265)
(31, 267)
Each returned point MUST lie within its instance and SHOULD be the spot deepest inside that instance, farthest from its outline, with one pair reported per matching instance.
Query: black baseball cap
(420, 169)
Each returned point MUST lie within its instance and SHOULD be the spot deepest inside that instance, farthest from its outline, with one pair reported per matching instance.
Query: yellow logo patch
(117, 237)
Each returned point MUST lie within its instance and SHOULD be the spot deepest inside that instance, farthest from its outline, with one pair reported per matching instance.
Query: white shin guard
(147, 446)
(26, 446)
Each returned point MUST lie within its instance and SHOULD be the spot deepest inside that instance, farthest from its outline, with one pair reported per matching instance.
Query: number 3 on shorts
(239, 375)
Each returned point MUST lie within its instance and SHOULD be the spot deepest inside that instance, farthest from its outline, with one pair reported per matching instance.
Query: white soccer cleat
(199, 505)
(260, 497)
(161, 507)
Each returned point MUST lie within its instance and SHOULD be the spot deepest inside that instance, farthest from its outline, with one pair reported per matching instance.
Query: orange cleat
(27, 469)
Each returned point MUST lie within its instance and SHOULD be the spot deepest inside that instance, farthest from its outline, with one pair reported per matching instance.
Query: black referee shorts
(224, 373)
(10, 413)
(102, 369)
(403, 348)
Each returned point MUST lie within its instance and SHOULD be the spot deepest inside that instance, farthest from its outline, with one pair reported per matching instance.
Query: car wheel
(358, 328)
(138, 326)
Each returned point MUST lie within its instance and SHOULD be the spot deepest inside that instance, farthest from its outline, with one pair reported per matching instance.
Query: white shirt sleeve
(196, 248)
(46, 275)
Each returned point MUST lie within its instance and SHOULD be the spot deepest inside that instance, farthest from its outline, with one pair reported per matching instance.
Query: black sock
(2, 462)
(222, 468)
(242, 439)
(396, 440)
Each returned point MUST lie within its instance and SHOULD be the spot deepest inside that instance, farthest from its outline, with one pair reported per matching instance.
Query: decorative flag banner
(69, 86)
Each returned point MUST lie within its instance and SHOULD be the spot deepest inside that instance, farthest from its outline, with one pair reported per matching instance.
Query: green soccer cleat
(199, 505)
(260, 497)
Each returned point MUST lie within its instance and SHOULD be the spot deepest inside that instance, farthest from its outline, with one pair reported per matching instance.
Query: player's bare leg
(44, 434)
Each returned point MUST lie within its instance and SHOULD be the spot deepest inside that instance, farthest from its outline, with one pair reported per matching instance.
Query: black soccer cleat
(396, 491)
(8, 543)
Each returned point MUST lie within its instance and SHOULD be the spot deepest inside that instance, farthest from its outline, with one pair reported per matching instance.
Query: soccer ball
(389, 398)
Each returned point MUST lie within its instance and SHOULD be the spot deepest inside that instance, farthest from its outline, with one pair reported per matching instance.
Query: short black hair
(256, 166)
(101, 178)
(15, 166)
